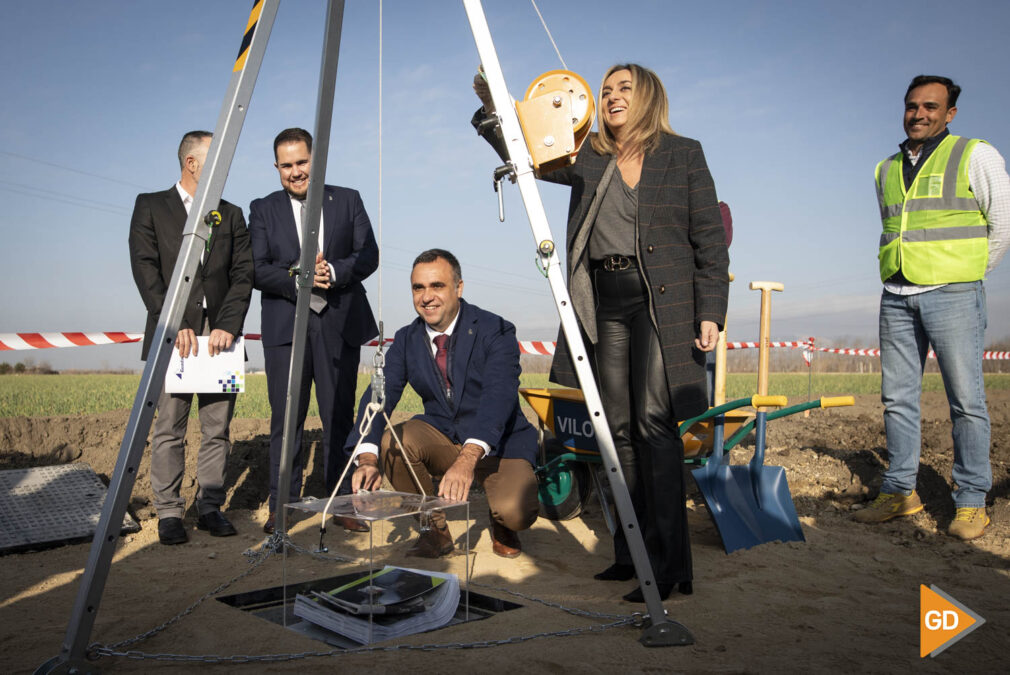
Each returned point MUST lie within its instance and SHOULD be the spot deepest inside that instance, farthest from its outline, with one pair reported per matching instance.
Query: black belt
(615, 263)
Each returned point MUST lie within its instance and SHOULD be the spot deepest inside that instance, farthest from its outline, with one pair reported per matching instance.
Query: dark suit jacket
(225, 276)
(681, 248)
(484, 371)
(348, 245)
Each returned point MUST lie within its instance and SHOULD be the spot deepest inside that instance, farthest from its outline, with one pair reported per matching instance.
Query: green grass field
(48, 395)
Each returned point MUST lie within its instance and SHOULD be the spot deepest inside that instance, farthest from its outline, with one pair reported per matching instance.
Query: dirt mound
(776, 607)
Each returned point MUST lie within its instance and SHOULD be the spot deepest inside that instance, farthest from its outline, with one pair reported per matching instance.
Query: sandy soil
(845, 600)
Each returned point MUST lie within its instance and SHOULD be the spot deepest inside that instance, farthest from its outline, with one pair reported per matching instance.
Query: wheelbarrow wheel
(564, 488)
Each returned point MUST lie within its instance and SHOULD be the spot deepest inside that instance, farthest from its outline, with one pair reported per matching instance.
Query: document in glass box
(390, 603)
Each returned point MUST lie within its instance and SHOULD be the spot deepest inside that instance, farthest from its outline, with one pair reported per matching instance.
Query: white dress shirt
(372, 449)
(296, 207)
(187, 203)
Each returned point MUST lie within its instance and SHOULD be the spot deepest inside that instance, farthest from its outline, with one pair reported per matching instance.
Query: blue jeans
(953, 319)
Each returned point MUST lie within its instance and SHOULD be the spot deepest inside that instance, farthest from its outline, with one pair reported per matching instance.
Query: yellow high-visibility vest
(933, 232)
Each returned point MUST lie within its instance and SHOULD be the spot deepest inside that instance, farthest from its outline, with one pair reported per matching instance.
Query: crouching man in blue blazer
(464, 364)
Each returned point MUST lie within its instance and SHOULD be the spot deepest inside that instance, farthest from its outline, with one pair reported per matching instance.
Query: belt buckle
(616, 263)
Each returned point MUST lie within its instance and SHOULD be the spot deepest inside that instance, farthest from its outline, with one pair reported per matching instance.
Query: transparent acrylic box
(383, 506)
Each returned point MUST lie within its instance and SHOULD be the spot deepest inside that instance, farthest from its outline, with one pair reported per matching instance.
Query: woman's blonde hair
(648, 114)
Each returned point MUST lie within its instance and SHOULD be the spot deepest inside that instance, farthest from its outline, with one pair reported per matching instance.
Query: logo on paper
(942, 621)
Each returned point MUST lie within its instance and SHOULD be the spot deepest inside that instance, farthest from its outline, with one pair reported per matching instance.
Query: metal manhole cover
(51, 504)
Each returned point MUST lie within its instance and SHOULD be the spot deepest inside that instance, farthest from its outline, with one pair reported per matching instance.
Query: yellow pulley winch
(556, 115)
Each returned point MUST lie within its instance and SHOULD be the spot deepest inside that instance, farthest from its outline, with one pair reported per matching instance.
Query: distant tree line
(27, 367)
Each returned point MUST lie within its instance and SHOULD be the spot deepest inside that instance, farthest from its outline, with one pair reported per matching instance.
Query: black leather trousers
(632, 379)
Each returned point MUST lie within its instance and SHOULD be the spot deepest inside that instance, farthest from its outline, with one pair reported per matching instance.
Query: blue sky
(794, 103)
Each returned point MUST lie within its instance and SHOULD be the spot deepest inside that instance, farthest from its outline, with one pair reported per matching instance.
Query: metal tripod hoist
(534, 146)
(74, 652)
(73, 656)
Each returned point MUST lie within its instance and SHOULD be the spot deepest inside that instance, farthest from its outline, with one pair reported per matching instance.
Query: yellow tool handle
(760, 401)
(837, 401)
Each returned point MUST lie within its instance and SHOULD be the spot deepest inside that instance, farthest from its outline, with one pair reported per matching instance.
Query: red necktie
(442, 356)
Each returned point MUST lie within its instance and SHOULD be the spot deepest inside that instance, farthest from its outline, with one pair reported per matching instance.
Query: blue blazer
(484, 371)
(348, 245)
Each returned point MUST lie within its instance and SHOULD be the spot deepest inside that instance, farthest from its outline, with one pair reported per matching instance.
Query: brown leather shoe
(433, 543)
(504, 542)
(350, 524)
(268, 526)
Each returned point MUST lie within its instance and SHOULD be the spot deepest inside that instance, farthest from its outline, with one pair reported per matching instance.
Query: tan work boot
(969, 523)
(887, 506)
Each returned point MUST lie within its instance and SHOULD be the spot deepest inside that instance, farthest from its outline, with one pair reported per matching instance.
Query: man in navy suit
(464, 364)
(341, 318)
(216, 307)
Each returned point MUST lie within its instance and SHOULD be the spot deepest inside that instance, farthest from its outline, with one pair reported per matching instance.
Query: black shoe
(271, 524)
(215, 523)
(684, 587)
(171, 531)
(616, 572)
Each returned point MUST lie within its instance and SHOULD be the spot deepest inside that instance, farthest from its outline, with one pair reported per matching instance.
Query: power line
(467, 265)
(478, 282)
(48, 194)
(73, 170)
(49, 197)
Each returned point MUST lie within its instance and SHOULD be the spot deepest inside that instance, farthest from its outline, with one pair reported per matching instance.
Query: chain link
(255, 561)
(574, 611)
(431, 647)
(279, 541)
(275, 545)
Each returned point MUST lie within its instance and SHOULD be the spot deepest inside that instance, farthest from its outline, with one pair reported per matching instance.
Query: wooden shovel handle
(766, 287)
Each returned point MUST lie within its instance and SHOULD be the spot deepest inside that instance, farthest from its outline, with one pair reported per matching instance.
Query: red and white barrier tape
(24, 341)
(755, 345)
(18, 341)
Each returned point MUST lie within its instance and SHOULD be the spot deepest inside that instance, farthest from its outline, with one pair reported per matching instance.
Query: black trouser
(629, 365)
(333, 365)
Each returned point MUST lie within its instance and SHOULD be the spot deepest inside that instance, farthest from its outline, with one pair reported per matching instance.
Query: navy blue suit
(484, 371)
(335, 336)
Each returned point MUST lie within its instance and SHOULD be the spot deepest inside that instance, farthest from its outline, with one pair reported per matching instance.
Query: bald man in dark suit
(216, 307)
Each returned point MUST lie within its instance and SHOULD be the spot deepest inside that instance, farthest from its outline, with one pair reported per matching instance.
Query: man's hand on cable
(483, 91)
(219, 341)
(366, 476)
(708, 335)
(456, 482)
(322, 272)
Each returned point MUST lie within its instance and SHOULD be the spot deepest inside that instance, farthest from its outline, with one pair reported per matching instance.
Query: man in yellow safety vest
(945, 207)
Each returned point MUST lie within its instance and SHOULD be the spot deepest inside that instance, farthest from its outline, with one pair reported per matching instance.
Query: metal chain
(272, 658)
(284, 540)
(277, 543)
(636, 617)
(256, 560)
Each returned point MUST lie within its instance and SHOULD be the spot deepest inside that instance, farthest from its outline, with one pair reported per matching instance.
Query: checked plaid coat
(681, 250)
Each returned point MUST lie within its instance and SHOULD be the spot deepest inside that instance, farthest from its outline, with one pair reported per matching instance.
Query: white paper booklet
(435, 609)
(206, 374)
